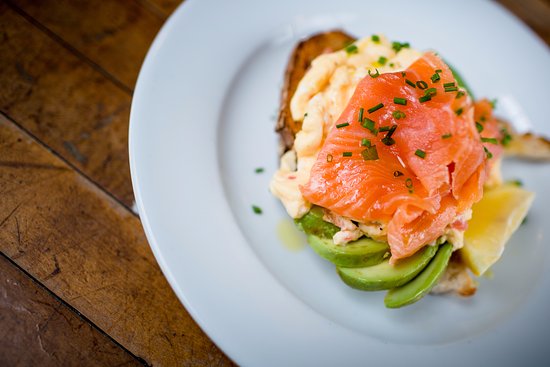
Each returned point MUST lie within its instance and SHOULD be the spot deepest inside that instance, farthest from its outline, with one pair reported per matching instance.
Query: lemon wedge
(494, 219)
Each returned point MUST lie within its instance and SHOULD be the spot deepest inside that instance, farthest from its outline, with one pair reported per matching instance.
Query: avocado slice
(359, 253)
(423, 283)
(313, 224)
(460, 81)
(384, 275)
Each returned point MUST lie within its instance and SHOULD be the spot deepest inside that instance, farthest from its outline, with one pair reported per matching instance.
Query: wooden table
(78, 283)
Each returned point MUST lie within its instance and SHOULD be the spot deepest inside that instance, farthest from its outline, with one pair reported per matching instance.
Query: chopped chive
(382, 60)
(370, 153)
(420, 153)
(397, 46)
(449, 84)
(391, 64)
(482, 118)
(305, 115)
(459, 111)
(397, 173)
(438, 70)
(352, 49)
(421, 84)
(256, 209)
(435, 78)
(410, 83)
(375, 38)
(374, 75)
(388, 141)
(361, 110)
(368, 124)
(489, 140)
(329, 158)
(494, 103)
(398, 114)
(375, 108)
(425, 98)
(450, 89)
(365, 142)
(401, 101)
(409, 183)
(488, 153)
(430, 92)
(446, 136)
(343, 124)
(506, 137)
(516, 182)
(459, 94)
(346, 154)
(384, 128)
(259, 170)
(403, 74)
(479, 127)
(392, 130)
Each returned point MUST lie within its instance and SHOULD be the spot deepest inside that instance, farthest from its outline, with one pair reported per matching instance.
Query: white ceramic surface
(202, 120)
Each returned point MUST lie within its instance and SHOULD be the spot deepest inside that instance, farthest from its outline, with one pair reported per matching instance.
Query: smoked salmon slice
(406, 152)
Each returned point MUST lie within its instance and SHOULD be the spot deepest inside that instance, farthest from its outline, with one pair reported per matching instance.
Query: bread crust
(300, 60)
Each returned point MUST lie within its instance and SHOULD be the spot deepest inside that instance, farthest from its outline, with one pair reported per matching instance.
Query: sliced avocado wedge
(363, 252)
(384, 275)
(313, 224)
(423, 283)
(460, 81)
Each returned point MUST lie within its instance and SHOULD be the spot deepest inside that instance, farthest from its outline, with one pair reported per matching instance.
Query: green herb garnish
(420, 153)
(410, 83)
(343, 124)
(351, 49)
(425, 98)
(257, 209)
(398, 115)
(375, 108)
(489, 140)
(479, 127)
(370, 153)
(400, 101)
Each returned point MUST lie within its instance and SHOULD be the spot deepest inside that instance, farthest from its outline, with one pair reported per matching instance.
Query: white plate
(202, 120)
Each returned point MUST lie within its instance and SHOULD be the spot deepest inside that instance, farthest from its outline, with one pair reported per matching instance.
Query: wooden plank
(90, 251)
(164, 7)
(38, 330)
(65, 102)
(536, 13)
(115, 34)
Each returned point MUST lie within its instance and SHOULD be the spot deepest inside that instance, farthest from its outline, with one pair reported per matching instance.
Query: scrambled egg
(319, 100)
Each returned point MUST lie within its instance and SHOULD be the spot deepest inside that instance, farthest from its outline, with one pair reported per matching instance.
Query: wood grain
(91, 252)
(164, 7)
(50, 333)
(536, 13)
(115, 34)
(65, 102)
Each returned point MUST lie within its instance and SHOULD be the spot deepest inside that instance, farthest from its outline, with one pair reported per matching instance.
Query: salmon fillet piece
(406, 151)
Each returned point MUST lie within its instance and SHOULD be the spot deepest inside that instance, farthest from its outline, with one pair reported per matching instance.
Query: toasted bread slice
(299, 63)
(527, 146)
(457, 278)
